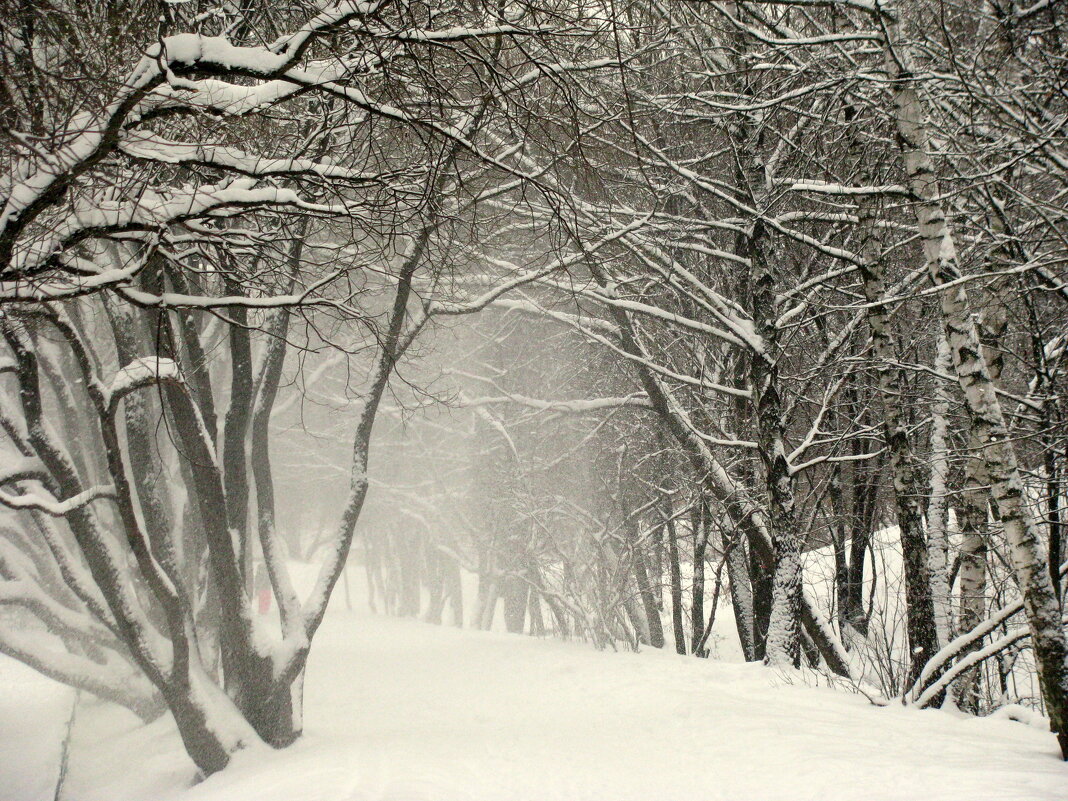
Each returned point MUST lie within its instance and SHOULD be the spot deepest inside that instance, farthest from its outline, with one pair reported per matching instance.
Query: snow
(148, 369)
(400, 709)
(153, 209)
(33, 718)
(577, 405)
(17, 468)
(49, 505)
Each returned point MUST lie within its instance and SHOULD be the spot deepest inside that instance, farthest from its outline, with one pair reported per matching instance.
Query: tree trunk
(516, 595)
(638, 621)
(865, 497)
(455, 591)
(701, 527)
(488, 592)
(937, 517)
(919, 604)
(645, 592)
(783, 646)
(974, 512)
(235, 428)
(732, 497)
(741, 591)
(676, 588)
(537, 621)
(1006, 483)
(435, 580)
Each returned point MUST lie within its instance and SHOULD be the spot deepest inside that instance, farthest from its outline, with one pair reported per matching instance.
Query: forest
(729, 330)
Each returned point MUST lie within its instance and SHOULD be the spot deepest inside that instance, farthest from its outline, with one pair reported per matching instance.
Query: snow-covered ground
(397, 709)
(34, 712)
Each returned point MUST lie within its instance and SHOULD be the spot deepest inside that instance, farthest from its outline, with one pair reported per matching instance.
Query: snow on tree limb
(141, 373)
(39, 502)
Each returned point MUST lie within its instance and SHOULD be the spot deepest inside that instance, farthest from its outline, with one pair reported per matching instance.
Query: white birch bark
(1006, 483)
(937, 510)
(974, 517)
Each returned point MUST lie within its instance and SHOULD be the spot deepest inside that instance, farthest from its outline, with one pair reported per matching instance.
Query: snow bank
(398, 709)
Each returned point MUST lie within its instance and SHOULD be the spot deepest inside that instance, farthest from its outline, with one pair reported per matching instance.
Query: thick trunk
(273, 708)
(209, 752)
(783, 640)
(1006, 483)
(760, 579)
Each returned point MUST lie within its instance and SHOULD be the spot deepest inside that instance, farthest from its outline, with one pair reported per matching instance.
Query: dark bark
(741, 590)
(755, 245)
(676, 588)
(735, 504)
(760, 576)
(908, 487)
(193, 359)
(864, 505)
(235, 430)
(701, 529)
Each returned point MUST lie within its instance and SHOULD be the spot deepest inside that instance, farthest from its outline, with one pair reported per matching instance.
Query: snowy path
(406, 711)
(33, 719)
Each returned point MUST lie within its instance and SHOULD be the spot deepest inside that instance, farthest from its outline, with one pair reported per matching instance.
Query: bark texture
(1006, 483)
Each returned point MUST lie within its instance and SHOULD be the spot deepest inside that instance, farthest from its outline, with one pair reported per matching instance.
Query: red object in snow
(265, 600)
